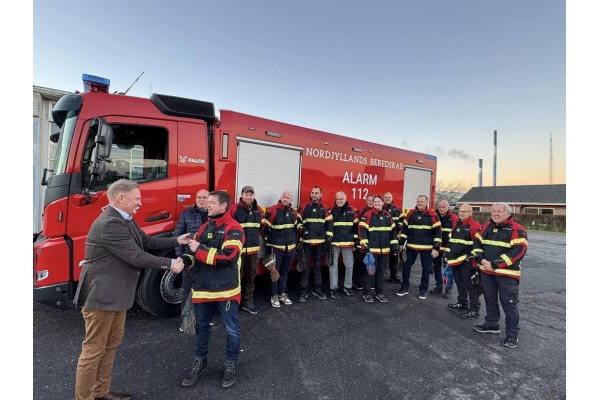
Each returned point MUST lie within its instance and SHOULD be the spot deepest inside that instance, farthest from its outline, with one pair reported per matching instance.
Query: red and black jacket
(281, 224)
(218, 260)
(343, 228)
(460, 242)
(250, 218)
(377, 232)
(421, 230)
(503, 245)
(315, 219)
(447, 222)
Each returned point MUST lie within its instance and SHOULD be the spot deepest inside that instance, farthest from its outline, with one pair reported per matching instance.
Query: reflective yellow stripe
(211, 256)
(343, 223)
(365, 241)
(316, 220)
(235, 243)
(503, 271)
(496, 243)
(267, 222)
(466, 242)
(289, 247)
(419, 246)
(313, 241)
(343, 243)
(394, 241)
(420, 227)
(380, 228)
(460, 259)
(284, 226)
(446, 229)
(251, 249)
(519, 241)
(384, 250)
(506, 259)
(250, 225)
(215, 295)
(363, 224)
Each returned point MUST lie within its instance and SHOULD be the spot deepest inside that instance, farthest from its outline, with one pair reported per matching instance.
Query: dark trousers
(426, 262)
(507, 290)
(466, 295)
(283, 262)
(313, 254)
(393, 264)
(381, 262)
(248, 273)
(437, 271)
(231, 323)
(187, 279)
(358, 272)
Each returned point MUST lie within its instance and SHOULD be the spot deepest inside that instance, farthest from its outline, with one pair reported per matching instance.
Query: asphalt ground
(337, 348)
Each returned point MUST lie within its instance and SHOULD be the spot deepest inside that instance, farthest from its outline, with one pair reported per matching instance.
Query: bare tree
(451, 191)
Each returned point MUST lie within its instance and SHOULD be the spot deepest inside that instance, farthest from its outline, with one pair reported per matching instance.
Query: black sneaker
(446, 295)
(198, 367)
(334, 293)
(402, 292)
(483, 328)
(458, 306)
(358, 286)
(437, 290)
(394, 280)
(317, 292)
(510, 342)
(470, 315)
(381, 298)
(348, 292)
(368, 298)
(228, 374)
(422, 295)
(303, 296)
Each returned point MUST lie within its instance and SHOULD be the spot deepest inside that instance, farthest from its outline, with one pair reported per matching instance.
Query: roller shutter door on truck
(270, 168)
(416, 182)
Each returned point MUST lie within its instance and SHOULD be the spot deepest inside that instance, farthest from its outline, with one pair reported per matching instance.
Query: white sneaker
(284, 299)
(275, 301)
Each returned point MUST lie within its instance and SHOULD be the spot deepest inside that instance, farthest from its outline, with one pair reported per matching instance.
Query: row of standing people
(116, 250)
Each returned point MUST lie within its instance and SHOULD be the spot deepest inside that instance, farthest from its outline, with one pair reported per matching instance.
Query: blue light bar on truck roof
(93, 83)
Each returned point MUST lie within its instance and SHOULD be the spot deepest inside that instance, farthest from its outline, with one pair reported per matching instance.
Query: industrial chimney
(495, 148)
(480, 172)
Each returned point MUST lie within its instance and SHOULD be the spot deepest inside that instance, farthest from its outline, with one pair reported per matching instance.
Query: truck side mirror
(104, 138)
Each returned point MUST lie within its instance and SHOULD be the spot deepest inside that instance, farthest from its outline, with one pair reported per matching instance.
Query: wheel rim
(170, 288)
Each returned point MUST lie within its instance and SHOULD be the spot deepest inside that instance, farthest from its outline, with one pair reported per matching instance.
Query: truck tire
(159, 293)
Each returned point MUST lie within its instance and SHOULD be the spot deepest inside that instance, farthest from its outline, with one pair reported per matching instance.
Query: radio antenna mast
(134, 82)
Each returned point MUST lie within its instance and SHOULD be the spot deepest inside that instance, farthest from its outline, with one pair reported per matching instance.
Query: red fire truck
(175, 146)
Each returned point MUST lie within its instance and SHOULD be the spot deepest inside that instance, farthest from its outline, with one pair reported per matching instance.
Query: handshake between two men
(177, 264)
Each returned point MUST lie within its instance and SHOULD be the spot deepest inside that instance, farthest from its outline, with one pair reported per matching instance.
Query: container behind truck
(173, 147)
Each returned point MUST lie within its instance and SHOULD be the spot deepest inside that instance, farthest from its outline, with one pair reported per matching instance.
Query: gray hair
(119, 187)
(504, 205)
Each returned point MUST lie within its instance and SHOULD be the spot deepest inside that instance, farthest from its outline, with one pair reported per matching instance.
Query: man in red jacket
(499, 249)
(216, 255)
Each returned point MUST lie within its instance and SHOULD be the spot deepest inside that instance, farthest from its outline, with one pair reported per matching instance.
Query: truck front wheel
(159, 293)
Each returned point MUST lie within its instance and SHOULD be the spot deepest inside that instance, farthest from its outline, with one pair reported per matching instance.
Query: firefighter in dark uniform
(377, 235)
(281, 229)
(396, 213)
(459, 254)
(215, 254)
(499, 249)
(250, 215)
(447, 221)
(315, 217)
(422, 237)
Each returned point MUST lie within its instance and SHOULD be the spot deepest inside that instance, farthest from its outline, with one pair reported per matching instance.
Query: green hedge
(533, 222)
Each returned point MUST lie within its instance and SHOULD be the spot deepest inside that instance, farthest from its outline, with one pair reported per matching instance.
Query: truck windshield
(64, 143)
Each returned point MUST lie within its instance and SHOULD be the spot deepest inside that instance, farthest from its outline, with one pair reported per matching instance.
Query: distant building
(44, 100)
(524, 199)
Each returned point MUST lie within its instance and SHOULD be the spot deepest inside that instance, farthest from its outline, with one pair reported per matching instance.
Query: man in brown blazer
(115, 251)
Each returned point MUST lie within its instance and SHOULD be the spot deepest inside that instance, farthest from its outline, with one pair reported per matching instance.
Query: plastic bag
(188, 323)
(369, 261)
(477, 286)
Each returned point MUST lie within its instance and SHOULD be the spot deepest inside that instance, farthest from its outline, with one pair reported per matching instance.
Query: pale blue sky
(433, 76)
